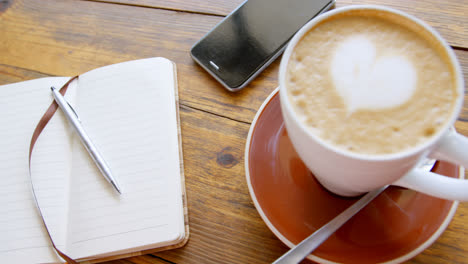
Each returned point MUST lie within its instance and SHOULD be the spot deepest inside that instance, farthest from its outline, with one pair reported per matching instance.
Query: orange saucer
(396, 226)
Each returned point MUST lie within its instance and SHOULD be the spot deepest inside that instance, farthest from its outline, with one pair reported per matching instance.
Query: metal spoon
(303, 249)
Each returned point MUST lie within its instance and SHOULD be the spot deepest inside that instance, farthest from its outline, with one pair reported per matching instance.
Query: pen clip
(71, 107)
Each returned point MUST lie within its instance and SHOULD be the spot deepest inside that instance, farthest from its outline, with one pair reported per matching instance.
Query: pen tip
(52, 88)
(116, 187)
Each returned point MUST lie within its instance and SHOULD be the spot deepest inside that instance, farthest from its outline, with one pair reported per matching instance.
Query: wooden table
(68, 37)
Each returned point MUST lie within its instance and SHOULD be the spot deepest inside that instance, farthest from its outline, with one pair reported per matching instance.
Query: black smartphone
(251, 37)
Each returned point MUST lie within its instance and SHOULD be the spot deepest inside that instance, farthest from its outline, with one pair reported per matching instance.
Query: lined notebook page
(129, 112)
(51, 165)
(23, 238)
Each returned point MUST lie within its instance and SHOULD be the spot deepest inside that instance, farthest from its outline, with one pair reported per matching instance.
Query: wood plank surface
(100, 36)
(38, 36)
(208, 7)
(448, 17)
(68, 37)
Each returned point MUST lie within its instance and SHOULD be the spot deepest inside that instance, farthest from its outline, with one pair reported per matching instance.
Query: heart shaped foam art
(368, 80)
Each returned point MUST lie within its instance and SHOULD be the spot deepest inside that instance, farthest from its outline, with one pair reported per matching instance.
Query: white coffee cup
(349, 174)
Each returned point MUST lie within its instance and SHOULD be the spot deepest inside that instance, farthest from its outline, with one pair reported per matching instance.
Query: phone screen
(251, 36)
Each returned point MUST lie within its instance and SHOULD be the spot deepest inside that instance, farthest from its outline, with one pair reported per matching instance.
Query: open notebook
(130, 110)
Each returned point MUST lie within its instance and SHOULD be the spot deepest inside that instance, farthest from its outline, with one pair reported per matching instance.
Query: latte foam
(371, 84)
(367, 78)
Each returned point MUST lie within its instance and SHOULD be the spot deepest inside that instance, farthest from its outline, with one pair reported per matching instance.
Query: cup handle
(452, 147)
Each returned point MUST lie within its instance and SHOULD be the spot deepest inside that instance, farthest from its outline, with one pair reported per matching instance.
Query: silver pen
(84, 138)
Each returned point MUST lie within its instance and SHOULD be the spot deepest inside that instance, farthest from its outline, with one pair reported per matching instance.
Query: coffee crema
(371, 83)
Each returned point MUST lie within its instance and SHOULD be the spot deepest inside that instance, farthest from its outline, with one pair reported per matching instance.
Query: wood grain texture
(86, 35)
(66, 37)
(11, 74)
(448, 17)
(224, 223)
(209, 7)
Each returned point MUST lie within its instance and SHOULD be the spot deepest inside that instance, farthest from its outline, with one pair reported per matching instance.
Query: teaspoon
(303, 249)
